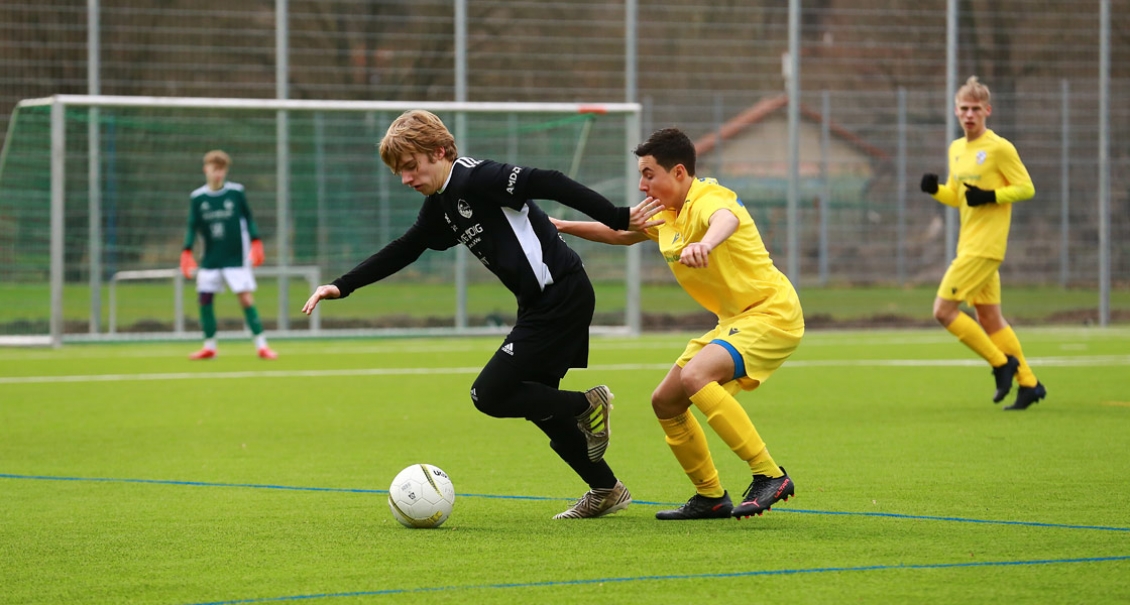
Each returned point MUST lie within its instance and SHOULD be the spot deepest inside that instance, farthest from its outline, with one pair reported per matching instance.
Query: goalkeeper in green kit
(220, 214)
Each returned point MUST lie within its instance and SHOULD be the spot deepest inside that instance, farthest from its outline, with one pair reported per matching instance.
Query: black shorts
(552, 335)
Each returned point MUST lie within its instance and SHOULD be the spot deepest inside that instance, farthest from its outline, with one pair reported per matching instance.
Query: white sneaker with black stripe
(598, 502)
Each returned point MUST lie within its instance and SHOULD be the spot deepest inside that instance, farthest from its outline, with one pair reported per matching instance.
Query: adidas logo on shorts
(508, 348)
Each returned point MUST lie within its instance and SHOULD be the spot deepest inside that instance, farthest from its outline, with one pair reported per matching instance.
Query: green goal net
(94, 198)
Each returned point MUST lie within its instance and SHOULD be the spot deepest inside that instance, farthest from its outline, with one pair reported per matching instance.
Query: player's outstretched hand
(326, 291)
(187, 263)
(641, 215)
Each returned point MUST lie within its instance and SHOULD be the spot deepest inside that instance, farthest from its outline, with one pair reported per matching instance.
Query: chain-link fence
(872, 76)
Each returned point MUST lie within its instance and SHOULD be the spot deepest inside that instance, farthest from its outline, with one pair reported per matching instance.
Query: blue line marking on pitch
(952, 519)
(195, 483)
(799, 511)
(735, 574)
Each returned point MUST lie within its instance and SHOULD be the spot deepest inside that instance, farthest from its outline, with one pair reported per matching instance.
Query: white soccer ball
(421, 496)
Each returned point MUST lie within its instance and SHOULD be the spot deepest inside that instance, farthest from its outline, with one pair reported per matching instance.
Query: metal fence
(875, 69)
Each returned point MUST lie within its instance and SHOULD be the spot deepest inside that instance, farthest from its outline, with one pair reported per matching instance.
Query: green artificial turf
(131, 475)
(149, 306)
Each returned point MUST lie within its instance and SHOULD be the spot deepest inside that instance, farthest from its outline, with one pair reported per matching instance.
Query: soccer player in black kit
(488, 207)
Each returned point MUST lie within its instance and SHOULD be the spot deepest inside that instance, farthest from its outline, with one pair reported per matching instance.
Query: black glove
(930, 183)
(978, 197)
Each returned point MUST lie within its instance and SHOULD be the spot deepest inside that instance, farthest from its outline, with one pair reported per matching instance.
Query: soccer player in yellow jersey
(986, 177)
(716, 253)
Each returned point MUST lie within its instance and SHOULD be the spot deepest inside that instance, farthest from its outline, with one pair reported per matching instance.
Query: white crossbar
(311, 273)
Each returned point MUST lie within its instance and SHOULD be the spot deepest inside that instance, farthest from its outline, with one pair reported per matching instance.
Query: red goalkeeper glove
(187, 263)
(256, 252)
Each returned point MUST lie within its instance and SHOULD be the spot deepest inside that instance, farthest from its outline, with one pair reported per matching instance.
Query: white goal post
(83, 130)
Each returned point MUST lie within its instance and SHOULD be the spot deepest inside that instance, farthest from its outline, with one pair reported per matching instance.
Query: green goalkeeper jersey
(223, 220)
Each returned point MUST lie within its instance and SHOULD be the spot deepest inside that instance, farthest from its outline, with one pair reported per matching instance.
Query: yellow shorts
(972, 279)
(757, 346)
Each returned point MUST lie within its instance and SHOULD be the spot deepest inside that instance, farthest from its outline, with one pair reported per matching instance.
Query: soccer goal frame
(59, 104)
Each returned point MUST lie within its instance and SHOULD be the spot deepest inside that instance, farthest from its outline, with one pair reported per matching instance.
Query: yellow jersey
(740, 277)
(988, 162)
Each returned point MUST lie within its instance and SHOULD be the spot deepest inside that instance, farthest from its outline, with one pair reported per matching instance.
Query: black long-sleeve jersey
(488, 206)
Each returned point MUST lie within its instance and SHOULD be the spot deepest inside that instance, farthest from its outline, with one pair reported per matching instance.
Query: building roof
(761, 110)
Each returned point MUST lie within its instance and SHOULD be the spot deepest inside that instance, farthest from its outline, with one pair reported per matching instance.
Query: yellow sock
(728, 418)
(1006, 341)
(688, 442)
(969, 332)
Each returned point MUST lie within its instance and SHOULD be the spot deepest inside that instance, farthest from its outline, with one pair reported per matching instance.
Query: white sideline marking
(1093, 360)
(257, 374)
(675, 340)
(1075, 361)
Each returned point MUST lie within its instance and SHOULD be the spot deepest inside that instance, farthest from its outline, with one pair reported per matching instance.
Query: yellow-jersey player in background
(714, 249)
(986, 177)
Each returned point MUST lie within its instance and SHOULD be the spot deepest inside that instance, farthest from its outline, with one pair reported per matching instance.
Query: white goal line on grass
(1075, 361)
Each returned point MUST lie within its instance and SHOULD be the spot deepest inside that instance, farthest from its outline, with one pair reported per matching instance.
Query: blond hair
(973, 89)
(217, 157)
(416, 131)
